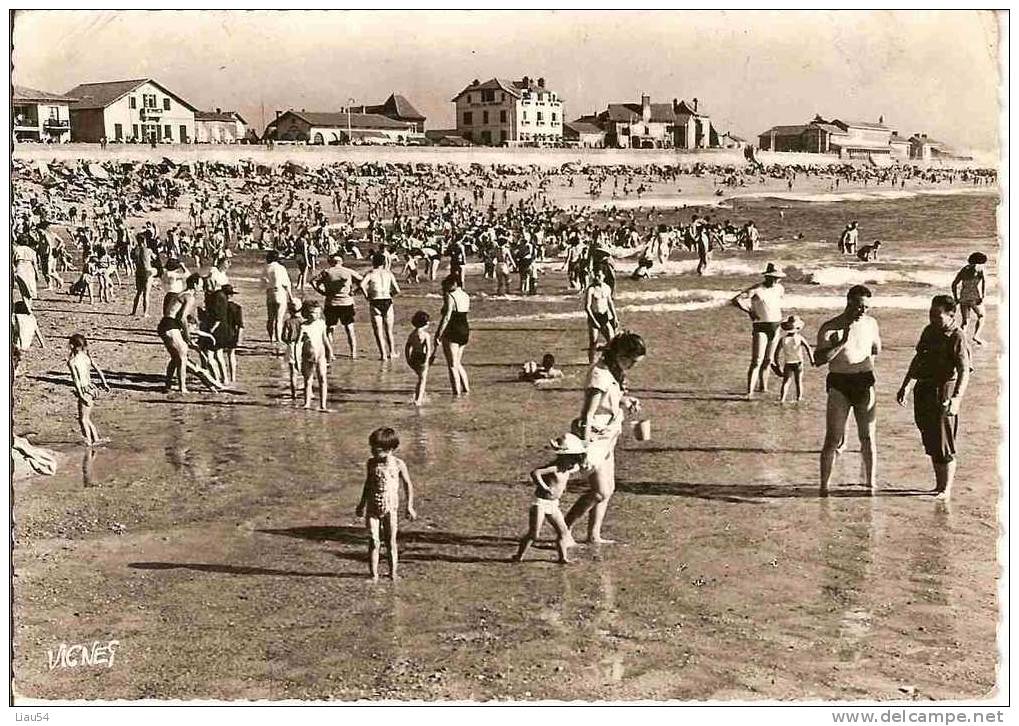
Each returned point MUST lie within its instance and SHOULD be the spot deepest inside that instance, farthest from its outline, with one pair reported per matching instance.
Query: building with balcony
(219, 127)
(499, 112)
(328, 127)
(140, 110)
(648, 125)
(40, 116)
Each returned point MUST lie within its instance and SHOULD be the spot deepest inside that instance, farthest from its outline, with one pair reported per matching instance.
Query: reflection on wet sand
(847, 548)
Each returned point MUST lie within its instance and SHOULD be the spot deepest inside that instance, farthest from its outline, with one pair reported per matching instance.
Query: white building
(500, 112)
(328, 127)
(219, 127)
(137, 110)
(40, 116)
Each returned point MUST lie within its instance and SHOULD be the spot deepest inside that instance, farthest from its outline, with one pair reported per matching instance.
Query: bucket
(642, 430)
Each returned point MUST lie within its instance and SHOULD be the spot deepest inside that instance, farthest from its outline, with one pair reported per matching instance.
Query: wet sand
(214, 537)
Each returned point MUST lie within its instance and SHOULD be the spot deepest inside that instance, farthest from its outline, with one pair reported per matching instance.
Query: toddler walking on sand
(549, 484)
(791, 349)
(316, 350)
(380, 499)
(81, 366)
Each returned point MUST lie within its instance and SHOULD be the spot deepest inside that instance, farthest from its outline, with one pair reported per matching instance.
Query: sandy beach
(215, 538)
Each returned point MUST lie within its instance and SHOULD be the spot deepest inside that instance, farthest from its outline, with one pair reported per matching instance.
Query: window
(540, 96)
(468, 98)
(132, 102)
(525, 116)
(54, 116)
(134, 131)
(553, 117)
(118, 132)
(468, 118)
(166, 104)
(484, 117)
(148, 100)
(539, 116)
(502, 117)
(503, 97)
(183, 134)
(167, 132)
(487, 96)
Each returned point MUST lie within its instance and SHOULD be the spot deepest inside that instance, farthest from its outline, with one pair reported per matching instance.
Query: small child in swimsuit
(549, 484)
(81, 366)
(316, 350)
(791, 349)
(410, 269)
(547, 371)
(418, 351)
(380, 499)
(291, 336)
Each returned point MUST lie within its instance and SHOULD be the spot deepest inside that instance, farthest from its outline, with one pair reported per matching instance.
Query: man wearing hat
(968, 288)
(847, 344)
(763, 303)
(337, 283)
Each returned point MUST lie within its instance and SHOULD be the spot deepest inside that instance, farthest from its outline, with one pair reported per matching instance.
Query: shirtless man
(847, 344)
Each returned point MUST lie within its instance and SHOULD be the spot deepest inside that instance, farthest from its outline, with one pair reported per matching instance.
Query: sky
(933, 72)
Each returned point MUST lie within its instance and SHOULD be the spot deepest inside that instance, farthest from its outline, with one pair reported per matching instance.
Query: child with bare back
(81, 366)
(418, 351)
(549, 484)
(291, 336)
(380, 499)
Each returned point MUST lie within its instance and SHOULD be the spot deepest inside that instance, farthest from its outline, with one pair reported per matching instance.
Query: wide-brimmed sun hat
(569, 444)
(793, 322)
(772, 271)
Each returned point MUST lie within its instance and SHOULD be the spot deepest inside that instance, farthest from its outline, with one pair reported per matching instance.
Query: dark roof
(687, 110)
(101, 95)
(928, 140)
(863, 125)
(22, 93)
(228, 116)
(493, 84)
(582, 127)
(660, 112)
(733, 136)
(785, 130)
(331, 119)
(397, 105)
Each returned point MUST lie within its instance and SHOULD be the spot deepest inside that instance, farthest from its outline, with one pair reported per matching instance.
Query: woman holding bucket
(600, 423)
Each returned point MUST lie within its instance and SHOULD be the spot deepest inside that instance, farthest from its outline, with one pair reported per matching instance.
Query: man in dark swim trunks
(941, 369)
(847, 344)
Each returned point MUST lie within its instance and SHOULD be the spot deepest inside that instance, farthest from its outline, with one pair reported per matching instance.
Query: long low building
(327, 127)
(845, 139)
(219, 127)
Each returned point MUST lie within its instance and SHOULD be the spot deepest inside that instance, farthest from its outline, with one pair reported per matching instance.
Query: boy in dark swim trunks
(941, 369)
(847, 344)
(418, 351)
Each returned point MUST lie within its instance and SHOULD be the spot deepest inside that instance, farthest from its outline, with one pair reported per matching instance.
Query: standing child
(380, 499)
(81, 366)
(549, 484)
(410, 269)
(791, 348)
(418, 351)
(316, 350)
(89, 272)
(235, 326)
(291, 337)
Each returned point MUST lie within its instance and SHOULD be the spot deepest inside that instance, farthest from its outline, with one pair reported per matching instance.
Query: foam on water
(707, 299)
(864, 196)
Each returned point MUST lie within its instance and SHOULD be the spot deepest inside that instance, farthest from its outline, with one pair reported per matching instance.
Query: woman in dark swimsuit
(454, 332)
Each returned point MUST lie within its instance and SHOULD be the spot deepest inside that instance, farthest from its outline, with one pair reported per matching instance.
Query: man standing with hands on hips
(847, 344)
(941, 369)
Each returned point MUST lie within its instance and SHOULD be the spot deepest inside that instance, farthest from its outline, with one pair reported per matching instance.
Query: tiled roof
(492, 84)
(582, 127)
(687, 110)
(785, 130)
(864, 125)
(101, 95)
(330, 119)
(625, 112)
(23, 94)
(227, 116)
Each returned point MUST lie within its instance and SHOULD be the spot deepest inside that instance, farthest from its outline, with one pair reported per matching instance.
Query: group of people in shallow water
(199, 313)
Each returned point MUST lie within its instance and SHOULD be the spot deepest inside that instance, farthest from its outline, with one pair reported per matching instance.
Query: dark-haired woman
(600, 423)
(454, 331)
